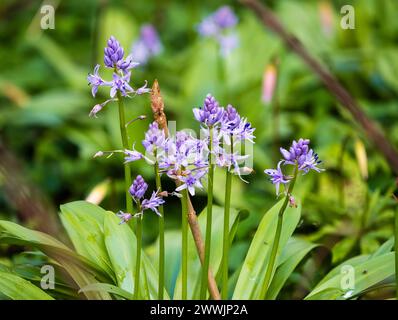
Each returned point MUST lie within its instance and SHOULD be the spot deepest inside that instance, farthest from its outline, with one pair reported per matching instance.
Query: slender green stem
(138, 234)
(184, 244)
(203, 288)
(161, 235)
(224, 290)
(125, 142)
(396, 251)
(275, 245)
(227, 205)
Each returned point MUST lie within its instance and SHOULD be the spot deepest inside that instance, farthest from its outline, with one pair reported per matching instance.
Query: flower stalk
(184, 244)
(203, 288)
(127, 170)
(161, 235)
(227, 203)
(275, 245)
(138, 234)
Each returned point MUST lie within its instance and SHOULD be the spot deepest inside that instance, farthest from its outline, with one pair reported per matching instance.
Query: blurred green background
(47, 140)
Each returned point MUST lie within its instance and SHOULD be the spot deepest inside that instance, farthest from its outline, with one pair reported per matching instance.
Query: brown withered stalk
(372, 130)
(157, 105)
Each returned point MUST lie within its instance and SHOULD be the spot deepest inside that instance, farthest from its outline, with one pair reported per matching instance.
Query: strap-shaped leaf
(17, 288)
(256, 261)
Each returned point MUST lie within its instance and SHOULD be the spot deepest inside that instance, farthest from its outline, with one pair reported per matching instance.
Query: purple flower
(224, 17)
(143, 89)
(147, 45)
(230, 119)
(121, 83)
(132, 155)
(96, 81)
(98, 107)
(126, 65)
(300, 153)
(211, 113)
(154, 138)
(215, 26)
(191, 180)
(277, 176)
(138, 188)
(152, 203)
(113, 53)
(124, 217)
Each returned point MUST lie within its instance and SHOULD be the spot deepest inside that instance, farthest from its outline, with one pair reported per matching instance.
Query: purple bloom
(121, 83)
(96, 81)
(152, 204)
(138, 188)
(154, 138)
(277, 176)
(230, 119)
(224, 17)
(147, 45)
(211, 113)
(124, 217)
(300, 153)
(98, 107)
(191, 180)
(126, 65)
(143, 89)
(132, 155)
(113, 52)
(215, 26)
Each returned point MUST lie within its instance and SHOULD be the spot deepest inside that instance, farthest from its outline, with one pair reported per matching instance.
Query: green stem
(161, 235)
(228, 180)
(184, 244)
(203, 288)
(227, 205)
(396, 251)
(125, 142)
(275, 245)
(138, 234)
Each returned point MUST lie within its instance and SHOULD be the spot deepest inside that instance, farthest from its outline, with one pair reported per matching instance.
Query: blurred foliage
(45, 101)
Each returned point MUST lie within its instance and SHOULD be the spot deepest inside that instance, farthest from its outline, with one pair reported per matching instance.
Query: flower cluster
(299, 155)
(185, 158)
(228, 131)
(113, 59)
(137, 191)
(148, 44)
(217, 26)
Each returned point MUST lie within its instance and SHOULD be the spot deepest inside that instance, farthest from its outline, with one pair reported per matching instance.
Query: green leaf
(17, 288)
(121, 244)
(292, 254)
(254, 266)
(194, 265)
(84, 223)
(82, 271)
(106, 287)
(367, 274)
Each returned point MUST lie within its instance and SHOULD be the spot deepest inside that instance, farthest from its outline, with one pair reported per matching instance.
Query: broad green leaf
(17, 288)
(254, 266)
(121, 244)
(367, 274)
(194, 265)
(84, 223)
(82, 271)
(294, 251)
